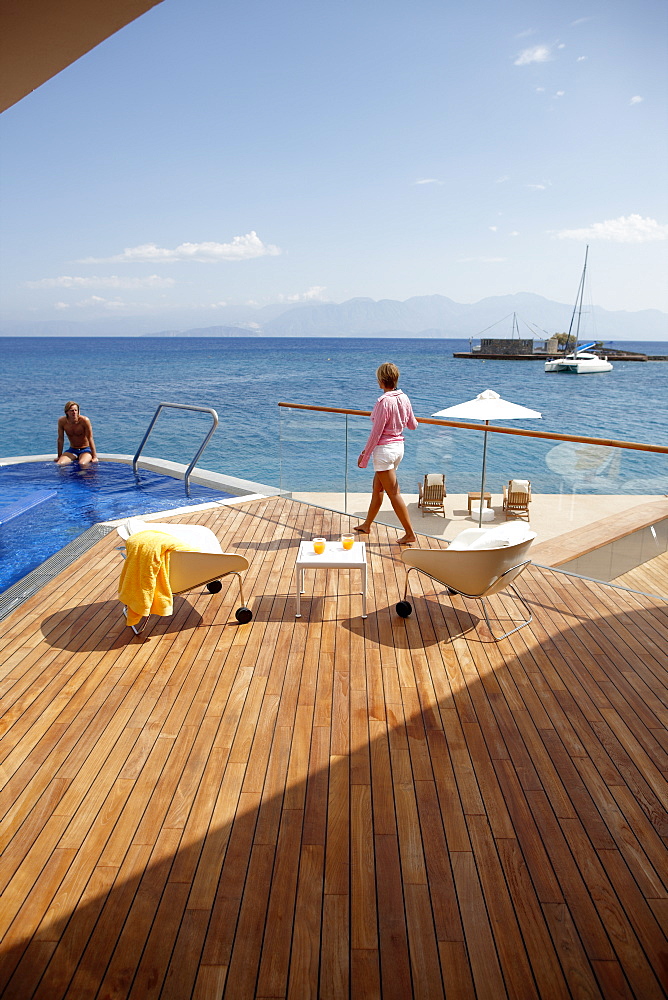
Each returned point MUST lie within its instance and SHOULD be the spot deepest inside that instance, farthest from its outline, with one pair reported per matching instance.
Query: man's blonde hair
(388, 375)
(69, 404)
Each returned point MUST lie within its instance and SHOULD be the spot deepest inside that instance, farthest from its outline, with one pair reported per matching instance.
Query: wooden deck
(651, 577)
(331, 807)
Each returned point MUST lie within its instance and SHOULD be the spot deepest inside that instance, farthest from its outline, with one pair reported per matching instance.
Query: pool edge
(203, 477)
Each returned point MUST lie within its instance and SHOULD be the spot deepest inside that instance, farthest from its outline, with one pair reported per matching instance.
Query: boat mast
(577, 308)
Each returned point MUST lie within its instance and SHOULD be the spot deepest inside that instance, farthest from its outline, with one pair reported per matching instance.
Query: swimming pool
(69, 500)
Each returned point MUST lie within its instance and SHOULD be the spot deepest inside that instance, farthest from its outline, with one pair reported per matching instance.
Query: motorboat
(579, 361)
(583, 363)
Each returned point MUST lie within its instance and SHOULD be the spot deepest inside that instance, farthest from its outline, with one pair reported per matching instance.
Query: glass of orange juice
(347, 541)
(319, 546)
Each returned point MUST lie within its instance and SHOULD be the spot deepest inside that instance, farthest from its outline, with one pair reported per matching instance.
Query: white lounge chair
(203, 565)
(431, 492)
(517, 497)
(478, 563)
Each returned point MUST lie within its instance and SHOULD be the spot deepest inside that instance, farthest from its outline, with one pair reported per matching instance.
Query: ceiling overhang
(39, 38)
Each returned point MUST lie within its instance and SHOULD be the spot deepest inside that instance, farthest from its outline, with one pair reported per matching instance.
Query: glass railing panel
(633, 560)
(312, 456)
(584, 496)
(237, 447)
(581, 468)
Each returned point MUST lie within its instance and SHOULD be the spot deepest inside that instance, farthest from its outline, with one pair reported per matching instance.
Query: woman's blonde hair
(388, 375)
(69, 404)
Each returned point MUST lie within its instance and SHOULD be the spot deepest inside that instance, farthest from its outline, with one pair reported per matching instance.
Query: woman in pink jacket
(392, 412)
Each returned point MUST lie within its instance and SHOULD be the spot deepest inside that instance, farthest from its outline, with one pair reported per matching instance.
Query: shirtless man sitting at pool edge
(79, 430)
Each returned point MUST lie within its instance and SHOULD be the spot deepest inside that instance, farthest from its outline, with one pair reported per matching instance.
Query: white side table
(334, 557)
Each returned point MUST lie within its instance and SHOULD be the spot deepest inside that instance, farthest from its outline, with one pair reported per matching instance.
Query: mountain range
(421, 316)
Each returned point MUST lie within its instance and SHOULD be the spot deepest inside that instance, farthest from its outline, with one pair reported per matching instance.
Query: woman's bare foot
(407, 540)
(361, 530)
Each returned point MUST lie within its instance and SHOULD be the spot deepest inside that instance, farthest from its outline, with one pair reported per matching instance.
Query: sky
(214, 155)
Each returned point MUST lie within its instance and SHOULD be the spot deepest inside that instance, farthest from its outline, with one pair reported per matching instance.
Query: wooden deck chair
(517, 497)
(478, 563)
(431, 493)
(203, 565)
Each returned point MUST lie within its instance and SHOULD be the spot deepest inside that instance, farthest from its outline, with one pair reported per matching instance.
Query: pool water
(83, 497)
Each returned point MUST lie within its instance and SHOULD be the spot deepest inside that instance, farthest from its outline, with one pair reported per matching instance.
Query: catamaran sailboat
(579, 362)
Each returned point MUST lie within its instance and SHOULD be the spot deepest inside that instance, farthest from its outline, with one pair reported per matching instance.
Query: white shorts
(387, 456)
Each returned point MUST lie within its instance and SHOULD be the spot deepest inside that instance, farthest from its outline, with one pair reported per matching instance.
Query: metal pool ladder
(180, 406)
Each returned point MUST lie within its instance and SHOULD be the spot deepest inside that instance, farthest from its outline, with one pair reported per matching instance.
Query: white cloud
(112, 281)
(536, 54)
(629, 229)
(526, 33)
(313, 294)
(560, 93)
(580, 58)
(428, 180)
(540, 187)
(636, 100)
(580, 20)
(561, 45)
(492, 228)
(514, 233)
(240, 248)
(502, 180)
(540, 90)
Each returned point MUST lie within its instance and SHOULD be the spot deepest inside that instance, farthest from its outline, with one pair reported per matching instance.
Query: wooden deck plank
(305, 951)
(287, 851)
(392, 934)
(327, 806)
(486, 971)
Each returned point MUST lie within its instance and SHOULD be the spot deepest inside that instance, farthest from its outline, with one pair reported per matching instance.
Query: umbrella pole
(482, 485)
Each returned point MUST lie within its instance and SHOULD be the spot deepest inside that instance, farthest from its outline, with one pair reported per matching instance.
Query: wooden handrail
(519, 432)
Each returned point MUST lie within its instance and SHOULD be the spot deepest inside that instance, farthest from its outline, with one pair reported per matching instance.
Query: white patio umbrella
(487, 406)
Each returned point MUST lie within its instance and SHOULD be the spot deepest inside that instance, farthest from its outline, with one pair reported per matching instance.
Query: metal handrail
(549, 435)
(180, 406)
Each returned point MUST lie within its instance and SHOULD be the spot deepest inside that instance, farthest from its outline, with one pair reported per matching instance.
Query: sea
(119, 382)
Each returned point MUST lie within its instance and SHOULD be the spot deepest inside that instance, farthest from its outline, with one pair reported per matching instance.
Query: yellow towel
(144, 584)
